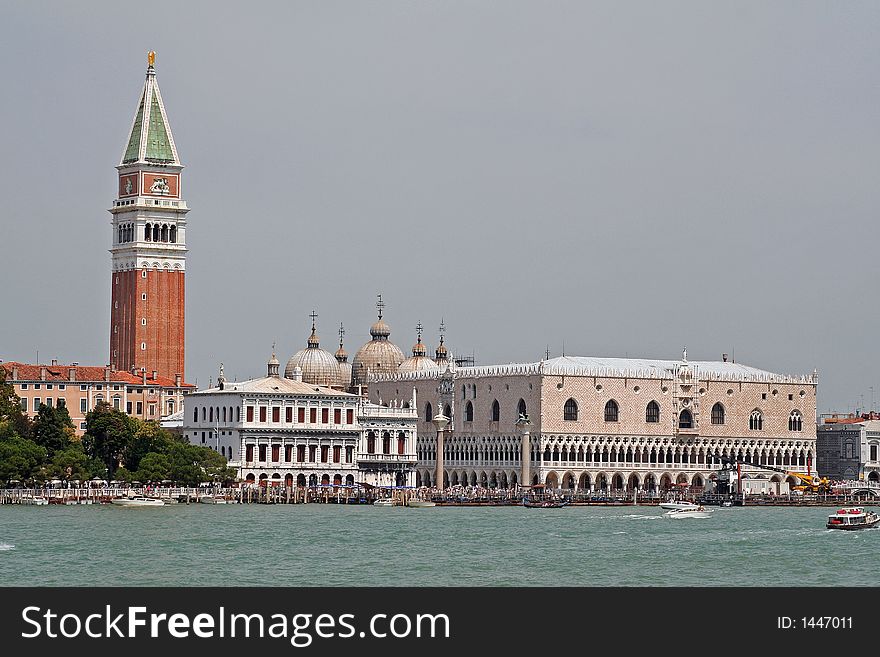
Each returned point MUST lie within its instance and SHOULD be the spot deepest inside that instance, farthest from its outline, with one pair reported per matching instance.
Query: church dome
(319, 367)
(378, 356)
(419, 361)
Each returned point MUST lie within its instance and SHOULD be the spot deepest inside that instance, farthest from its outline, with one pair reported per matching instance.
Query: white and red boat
(854, 517)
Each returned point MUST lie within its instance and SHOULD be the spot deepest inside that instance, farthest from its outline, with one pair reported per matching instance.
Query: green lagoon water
(329, 545)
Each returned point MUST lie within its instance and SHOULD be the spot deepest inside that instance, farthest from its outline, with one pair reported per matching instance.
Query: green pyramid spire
(150, 139)
(134, 141)
(158, 145)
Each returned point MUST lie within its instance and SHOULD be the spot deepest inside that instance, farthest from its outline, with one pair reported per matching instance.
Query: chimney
(724, 357)
(15, 372)
(54, 362)
(71, 374)
(144, 375)
(42, 373)
(107, 373)
(177, 380)
(155, 373)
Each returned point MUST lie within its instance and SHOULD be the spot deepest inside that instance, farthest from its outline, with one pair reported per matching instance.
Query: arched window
(164, 232)
(401, 443)
(611, 411)
(448, 411)
(521, 407)
(795, 421)
(756, 420)
(718, 413)
(204, 414)
(195, 414)
(211, 414)
(148, 232)
(496, 411)
(386, 443)
(172, 237)
(429, 412)
(685, 420)
(371, 443)
(570, 410)
(652, 412)
(156, 230)
(171, 407)
(469, 412)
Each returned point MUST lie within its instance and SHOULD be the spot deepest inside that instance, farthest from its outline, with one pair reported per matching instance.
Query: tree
(147, 437)
(72, 463)
(11, 413)
(153, 467)
(108, 434)
(20, 459)
(53, 429)
(122, 474)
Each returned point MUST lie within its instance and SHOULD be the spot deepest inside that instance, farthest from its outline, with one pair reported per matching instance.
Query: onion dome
(378, 356)
(419, 361)
(342, 362)
(318, 366)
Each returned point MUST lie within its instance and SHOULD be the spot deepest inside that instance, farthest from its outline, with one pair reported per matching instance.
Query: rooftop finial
(341, 333)
(419, 331)
(151, 58)
(442, 330)
(684, 354)
(380, 305)
(313, 338)
(273, 348)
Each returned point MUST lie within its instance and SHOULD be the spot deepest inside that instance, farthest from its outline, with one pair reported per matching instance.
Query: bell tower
(149, 245)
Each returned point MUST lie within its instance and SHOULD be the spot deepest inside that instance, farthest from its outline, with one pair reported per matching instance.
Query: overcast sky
(618, 178)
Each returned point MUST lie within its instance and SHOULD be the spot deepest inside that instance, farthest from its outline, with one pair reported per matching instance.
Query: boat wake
(6, 546)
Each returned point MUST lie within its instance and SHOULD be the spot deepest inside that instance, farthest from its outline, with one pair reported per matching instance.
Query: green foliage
(53, 429)
(72, 463)
(11, 414)
(115, 446)
(148, 437)
(20, 459)
(123, 474)
(109, 432)
(154, 467)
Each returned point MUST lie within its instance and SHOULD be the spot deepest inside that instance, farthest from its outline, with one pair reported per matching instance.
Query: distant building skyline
(619, 180)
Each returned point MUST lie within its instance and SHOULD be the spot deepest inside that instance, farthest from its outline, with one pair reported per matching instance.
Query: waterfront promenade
(457, 496)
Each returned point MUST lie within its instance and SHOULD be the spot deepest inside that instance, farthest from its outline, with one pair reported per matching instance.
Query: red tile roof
(84, 374)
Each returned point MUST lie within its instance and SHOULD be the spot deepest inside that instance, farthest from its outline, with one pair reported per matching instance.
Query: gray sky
(620, 178)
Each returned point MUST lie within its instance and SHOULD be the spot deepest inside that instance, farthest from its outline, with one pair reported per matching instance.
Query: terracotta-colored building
(147, 395)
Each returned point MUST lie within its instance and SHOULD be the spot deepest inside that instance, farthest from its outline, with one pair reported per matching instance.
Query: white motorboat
(696, 512)
(677, 505)
(850, 518)
(385, 501)
(420, 504)
(34, 500)
(137, 501)
(211, 499)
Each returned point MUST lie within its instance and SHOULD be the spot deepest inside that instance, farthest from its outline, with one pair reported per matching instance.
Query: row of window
(313, 450)
(386, 443)
(652, 414)
(639, 455)
(225, 413)
(84, 404)
(160, 233)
